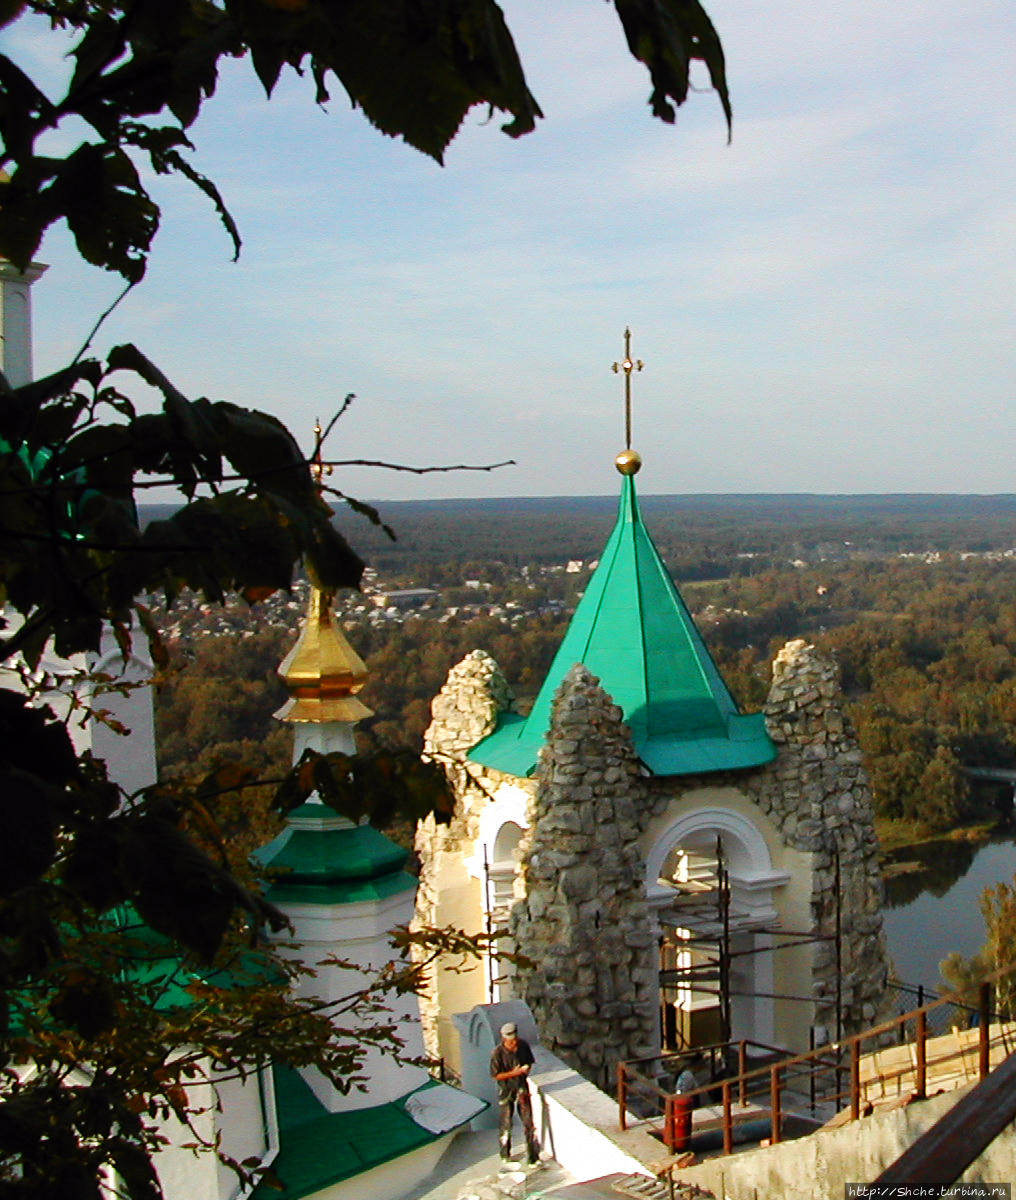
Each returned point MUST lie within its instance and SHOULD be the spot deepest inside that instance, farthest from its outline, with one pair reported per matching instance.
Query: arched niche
(497, 838)
(745, 852)
(505, 854)
(686, 853)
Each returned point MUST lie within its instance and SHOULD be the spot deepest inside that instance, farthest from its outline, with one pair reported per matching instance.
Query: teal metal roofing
(329, 863)
(633, 631)
(318, 1148)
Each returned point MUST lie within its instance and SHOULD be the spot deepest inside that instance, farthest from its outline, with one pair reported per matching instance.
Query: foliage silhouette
(92, 1052)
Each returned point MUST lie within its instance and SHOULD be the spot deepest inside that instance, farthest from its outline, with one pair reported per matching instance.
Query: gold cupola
(322, 672)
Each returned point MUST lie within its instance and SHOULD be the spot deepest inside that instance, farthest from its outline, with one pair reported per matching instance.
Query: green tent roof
(159, 967)
(633, 631)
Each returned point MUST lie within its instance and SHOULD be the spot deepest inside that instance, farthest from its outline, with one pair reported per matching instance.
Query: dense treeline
(699, 536)
(216, 701)
(928, 655)
(927, 650)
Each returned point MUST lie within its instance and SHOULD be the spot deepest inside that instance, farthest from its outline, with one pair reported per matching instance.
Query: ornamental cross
(627, 365)
(318, 467)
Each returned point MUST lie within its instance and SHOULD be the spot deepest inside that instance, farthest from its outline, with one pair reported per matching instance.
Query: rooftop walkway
(886, 1078)
(471, 1167)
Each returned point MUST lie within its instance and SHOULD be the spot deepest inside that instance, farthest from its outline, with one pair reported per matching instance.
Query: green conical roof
(633, 631)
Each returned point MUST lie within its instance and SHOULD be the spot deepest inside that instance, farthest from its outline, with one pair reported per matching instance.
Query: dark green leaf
(260, 448)
(135, 1170)
(34, 742)
(163, 148)
(91, 869)
(112, 217)
(267, 58)
(666, 35)
(176, 888)
(371, 513)
(416, 70)
(23, 407)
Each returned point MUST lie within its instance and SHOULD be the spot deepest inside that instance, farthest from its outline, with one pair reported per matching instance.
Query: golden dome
(628, 462)
(322, 672)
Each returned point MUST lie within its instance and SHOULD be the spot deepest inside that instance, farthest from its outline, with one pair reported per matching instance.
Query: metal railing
(953, 1013)
(852, 1076)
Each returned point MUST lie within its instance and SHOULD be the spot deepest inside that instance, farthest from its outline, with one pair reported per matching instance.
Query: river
(935, 910)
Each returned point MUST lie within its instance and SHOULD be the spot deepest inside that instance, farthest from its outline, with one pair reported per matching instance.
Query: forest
(912, 595)
(718, 534)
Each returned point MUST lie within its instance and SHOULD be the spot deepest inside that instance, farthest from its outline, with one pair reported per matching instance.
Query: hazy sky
(826, 304)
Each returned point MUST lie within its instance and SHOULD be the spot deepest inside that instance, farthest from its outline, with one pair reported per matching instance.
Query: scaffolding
(696, 955)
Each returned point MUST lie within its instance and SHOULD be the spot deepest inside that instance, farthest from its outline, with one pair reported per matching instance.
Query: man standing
(510, 1065)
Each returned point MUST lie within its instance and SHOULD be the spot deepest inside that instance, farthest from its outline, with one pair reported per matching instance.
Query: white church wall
(248, 1124)
(351, 932)
(127, 742)
(578, 1124)
(16, 321)
(793, 968)
(130, 756)
(242, 1113)
(494, 862)
(458, 902)
(187, 1174)
(452, 884)
(332, 737)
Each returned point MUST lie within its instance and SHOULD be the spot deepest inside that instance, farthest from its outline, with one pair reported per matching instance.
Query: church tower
(342, 885)
(130, 759)
(676, 869)
(16, 321)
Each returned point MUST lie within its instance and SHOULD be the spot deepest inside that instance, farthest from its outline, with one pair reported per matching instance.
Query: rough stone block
(578, 882)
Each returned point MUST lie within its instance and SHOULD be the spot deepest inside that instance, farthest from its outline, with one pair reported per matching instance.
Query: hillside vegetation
(913, 595)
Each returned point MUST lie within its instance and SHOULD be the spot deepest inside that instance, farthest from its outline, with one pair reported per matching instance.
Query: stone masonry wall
(464, 711)
(817, 793)
(584, 918)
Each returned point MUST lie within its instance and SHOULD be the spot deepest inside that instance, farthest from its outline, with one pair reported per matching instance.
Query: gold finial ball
(628, 462)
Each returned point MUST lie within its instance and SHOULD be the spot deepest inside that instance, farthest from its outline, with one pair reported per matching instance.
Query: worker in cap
(510, 1065)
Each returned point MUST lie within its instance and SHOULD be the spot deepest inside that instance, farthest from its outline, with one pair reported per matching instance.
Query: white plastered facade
(467, 879)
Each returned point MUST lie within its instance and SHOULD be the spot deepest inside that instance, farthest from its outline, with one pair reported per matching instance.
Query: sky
(824, 305)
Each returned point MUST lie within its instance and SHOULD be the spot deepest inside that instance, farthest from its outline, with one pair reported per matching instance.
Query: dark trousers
(523, 1102)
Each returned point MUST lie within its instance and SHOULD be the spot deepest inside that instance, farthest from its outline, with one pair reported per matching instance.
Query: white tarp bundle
(441, 1107)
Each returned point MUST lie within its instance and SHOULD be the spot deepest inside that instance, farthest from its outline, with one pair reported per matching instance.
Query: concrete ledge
(578, 1124)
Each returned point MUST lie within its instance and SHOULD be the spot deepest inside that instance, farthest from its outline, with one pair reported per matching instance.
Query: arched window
(501, 872)
(710, 934)
(494, 863)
